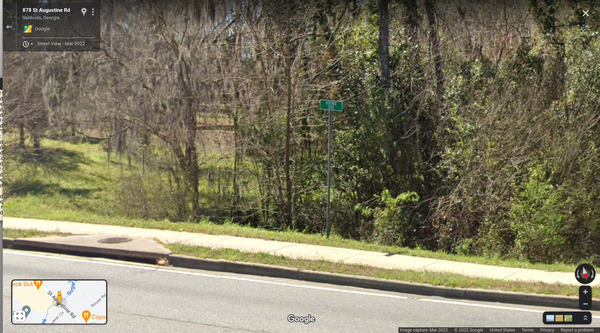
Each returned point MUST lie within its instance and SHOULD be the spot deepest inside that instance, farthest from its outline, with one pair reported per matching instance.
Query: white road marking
(484, 305)
(209, 275)
(478, 305)
(275, 283)
(77, 260)
(282, 284)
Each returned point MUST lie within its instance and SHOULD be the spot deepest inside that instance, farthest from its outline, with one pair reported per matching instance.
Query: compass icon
(585, 273)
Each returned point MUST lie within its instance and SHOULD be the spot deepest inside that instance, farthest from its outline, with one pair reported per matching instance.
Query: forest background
(469, 127)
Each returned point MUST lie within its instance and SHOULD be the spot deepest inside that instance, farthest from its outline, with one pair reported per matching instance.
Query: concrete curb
(24, 244)
(41, 245)
(136, 256)
(341, 279)
(373, 283)
(8, 242)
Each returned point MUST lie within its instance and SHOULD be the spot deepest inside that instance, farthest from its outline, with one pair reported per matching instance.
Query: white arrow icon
(585, 273)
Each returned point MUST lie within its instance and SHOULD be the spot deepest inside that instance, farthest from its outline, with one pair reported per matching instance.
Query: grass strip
(438, 279)
(228, 229)
(21, 233)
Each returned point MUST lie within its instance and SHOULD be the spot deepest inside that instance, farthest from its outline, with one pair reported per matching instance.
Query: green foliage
(501, 143)
(465, 247)
(537, 218)
(311, 210)
(393, 217)
(149, 197)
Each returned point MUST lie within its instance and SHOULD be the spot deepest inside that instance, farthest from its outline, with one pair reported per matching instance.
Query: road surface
(146, 298)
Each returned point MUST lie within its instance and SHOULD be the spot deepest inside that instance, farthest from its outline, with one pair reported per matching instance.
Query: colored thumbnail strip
(562, 318)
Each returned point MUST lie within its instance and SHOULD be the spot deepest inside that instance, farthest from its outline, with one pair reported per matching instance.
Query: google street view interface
(329, 165)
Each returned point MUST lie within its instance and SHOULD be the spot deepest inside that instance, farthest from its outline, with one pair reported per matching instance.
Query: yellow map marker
(86, 315)
(37, 283)
(59, 297)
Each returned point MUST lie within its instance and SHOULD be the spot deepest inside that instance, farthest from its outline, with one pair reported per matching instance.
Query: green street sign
(331, 105)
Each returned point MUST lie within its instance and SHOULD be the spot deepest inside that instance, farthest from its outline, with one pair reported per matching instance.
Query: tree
(384, 43)
(435, 47)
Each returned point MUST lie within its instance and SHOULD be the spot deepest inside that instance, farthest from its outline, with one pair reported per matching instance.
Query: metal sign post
(330, 106)
(329, 176)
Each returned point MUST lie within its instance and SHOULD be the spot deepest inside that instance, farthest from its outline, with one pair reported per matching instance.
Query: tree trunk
(384, 43)
(192, 159)
(108, 149)
(21, 135)
(288, 131)
(411, 20)
(190, 165)
(435, 48)
(236, 160)
(36, 143)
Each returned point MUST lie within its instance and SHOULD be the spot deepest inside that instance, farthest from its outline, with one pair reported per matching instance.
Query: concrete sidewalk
(303, 251)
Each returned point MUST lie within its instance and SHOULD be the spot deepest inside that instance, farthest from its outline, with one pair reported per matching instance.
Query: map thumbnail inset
(50, 302)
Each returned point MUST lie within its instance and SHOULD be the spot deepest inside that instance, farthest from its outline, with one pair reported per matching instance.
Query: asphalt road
(146, 298)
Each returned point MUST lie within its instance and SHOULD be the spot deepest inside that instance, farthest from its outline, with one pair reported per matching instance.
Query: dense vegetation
(469, 127)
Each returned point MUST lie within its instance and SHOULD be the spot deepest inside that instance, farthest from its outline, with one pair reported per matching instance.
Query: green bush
(393, 217)
(310, 211)
(537, 219)
(465, 247)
